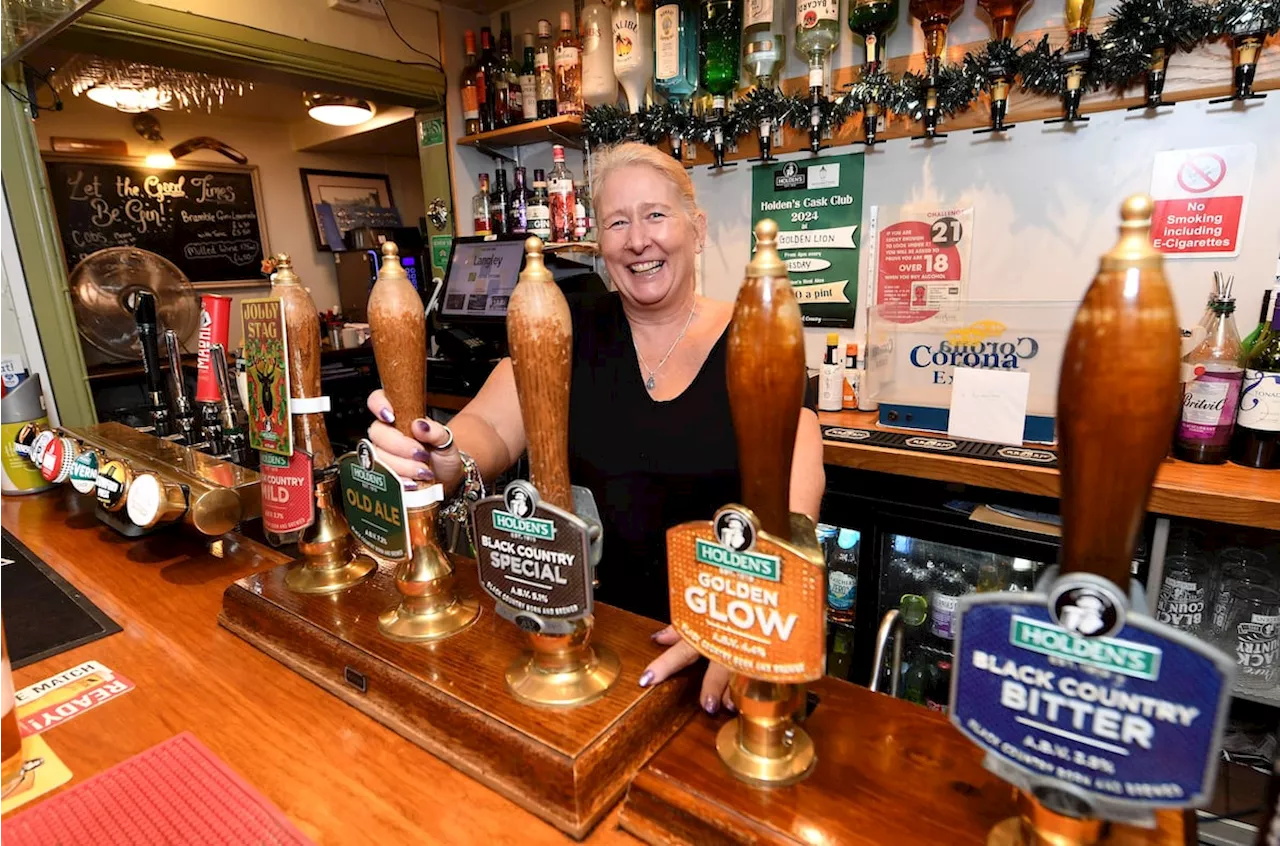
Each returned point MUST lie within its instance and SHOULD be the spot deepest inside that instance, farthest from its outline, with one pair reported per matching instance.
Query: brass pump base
(764, 746)
(429, 609)
(404, 623)
(328, 563)
(1036, 825)
(563, 671)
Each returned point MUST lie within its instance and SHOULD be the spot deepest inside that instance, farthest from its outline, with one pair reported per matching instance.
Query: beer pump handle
(1117, 401)
(540, 335)
(303, 331)
(399, 328)
(766, 378)
(145, 316)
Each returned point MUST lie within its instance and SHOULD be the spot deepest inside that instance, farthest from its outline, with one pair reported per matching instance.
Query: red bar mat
(175, 793)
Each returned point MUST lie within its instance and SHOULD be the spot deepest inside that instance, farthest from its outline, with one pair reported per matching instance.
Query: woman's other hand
(715, 681)
(419, 457)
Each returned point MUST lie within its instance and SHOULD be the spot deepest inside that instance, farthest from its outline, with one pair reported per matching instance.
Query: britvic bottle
(1211, 391)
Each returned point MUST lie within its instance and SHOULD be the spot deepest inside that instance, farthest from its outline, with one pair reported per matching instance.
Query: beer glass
(1185, 593)
(1253, 631)
(10, 738)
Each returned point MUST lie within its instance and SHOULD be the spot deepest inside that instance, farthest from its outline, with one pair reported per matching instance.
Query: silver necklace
(653, 372)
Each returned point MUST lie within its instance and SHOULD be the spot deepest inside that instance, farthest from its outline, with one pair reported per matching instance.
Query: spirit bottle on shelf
(493, 112)
(510, 72)
(1004, 22)
(529, 80)
(935, 17)
(518, 206)
(872, 20)
(764, 50)
(499, 202)
(470, 91)
(545, 70)
(817, 33)
(720, 48)
(1076, 59)
(561, 197)
(538, 214)
(633, 49)
(480, 212)
(599, 87)
(568, 65)
(1256, 442)
(675, 56)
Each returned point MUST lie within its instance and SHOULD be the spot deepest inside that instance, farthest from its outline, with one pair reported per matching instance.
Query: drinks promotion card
(1200, 199)
(66, 695)
(267, 357)
(919, 260)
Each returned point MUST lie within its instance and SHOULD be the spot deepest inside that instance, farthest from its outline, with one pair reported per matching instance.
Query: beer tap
(144, 313)
(429, 608)
(184, 412)
(235, 439)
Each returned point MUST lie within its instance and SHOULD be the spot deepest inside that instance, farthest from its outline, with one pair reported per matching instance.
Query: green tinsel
(1043, 72)
(954, 87)
(1137, 28)
(830, 116)
(1241, 17)
(762, 104)
(874, 87)
(1000, 57)
(605, 125)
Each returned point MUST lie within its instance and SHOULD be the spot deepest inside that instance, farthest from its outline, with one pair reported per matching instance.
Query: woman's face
(649, 242)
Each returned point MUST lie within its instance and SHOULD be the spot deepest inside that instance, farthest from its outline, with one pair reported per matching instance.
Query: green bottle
(872, 19)
(1269, 299)
(719, 49)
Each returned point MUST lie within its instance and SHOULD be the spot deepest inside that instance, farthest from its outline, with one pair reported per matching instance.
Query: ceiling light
(138, 87)
(129, 100)
(338, 111)
(161, 159)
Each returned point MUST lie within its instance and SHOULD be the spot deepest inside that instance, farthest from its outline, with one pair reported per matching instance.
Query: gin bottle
(764, 50)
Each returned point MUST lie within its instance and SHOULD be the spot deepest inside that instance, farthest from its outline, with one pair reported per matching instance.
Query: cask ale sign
(266, 350)
(373, 502)
(746, 599)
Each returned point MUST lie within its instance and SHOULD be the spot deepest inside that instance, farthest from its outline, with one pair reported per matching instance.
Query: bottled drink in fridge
(599, 87)
(1022, 575)
(944, 599)
(842, 577)
(1212, 375)
(675, 48)
(939, 696)
(544, 66)
(1256, 441)
(471, 92)
(633, 48)
(917, 681)
(561, 197)
(481, 212)
(539, 210)
(568, 66)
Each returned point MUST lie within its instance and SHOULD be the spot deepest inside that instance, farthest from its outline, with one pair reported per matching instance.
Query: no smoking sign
(1200, 198)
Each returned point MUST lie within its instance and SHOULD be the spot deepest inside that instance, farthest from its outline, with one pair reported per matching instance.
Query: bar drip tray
(47, 615)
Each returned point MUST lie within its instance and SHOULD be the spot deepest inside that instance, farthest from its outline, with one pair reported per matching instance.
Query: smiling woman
(650, 431)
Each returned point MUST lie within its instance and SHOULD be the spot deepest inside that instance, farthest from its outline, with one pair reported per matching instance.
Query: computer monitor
(482, 273)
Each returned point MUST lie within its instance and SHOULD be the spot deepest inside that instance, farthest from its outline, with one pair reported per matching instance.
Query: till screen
(481, 277)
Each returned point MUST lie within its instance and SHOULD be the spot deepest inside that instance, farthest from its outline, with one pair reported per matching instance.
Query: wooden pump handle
(766, 378)
(1117, 400)
(303, 333)
(398, 325)
(540, 335)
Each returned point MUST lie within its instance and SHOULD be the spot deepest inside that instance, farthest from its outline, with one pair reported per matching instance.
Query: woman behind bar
(650, 431)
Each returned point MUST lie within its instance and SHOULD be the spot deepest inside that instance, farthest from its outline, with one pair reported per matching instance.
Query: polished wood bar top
(1225, 493)
(338, 775)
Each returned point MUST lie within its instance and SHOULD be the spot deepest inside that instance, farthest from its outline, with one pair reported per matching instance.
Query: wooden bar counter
(338, 775)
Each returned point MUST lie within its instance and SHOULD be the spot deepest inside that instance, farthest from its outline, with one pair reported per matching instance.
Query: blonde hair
(617, 156)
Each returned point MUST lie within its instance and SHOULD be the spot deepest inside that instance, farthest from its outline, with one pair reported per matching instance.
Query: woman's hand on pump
(429, 455)
(715, 681)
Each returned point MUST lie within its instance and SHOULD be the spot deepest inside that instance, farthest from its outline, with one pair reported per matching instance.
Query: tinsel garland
(828, 112)
(1042, 71)
(954, 87)
(874, 87)
(1138, 28)
(763, 104)
(1000, 57)
(605, 125)
(733, 125)
(1238, 17)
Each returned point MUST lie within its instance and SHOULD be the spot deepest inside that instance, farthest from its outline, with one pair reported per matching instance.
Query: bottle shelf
(564, 129)
(572, 247)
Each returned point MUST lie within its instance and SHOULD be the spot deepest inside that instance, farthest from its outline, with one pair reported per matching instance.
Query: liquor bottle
(579, 211)
(499, 202)
(470, 91)
(518, 207)
(480, 208)
(831, 376)
(842, 578)
(1003, 15)
(633, 49)
(1269, 298)
(1213, 376)
(675, 57)
(493, 111)
(1256, 442)
(538, 213)
(719, 52)
(872, 20)
(510, 72)
(529, 80)
(950, 585)
(545, 69)
(568, 64)
(599, 88)
(935, 17)
(764, 50)
(817, 33)
(560, 197)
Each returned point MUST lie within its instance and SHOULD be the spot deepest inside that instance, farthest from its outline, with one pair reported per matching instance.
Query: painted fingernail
(422, 455)
(387, 416)
(421, 425)
(730, 707)
(711, 704)
(424, 474)
(647, 678)
(654, 636)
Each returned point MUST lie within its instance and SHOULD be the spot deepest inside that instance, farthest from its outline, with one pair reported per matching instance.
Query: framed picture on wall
(334, 194)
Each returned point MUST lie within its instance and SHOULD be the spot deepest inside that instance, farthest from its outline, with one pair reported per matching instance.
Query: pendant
(648, 383)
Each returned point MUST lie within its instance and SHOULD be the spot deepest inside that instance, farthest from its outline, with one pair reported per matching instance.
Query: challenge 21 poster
(267, 367)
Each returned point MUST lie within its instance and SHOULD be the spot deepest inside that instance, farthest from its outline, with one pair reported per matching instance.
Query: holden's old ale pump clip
(373, 502)
(1079, 698)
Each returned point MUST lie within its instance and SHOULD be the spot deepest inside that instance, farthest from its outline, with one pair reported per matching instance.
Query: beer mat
(42, 771)
(941, 445)
(176, 792)
(46, 615)
(66, 695)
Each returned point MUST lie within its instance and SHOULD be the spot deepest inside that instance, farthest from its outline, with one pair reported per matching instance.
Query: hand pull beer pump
(429, 608)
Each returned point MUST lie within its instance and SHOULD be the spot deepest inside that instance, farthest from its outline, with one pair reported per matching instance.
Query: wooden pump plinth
(561, 670)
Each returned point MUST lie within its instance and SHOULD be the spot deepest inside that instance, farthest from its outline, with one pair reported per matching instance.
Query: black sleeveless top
(650, 464)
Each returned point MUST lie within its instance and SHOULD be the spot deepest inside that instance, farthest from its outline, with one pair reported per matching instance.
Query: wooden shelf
(1223, 493)
(590, 247)
(552, 130)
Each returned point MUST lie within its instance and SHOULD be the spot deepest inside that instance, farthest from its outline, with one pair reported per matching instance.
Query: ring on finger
(448, 443)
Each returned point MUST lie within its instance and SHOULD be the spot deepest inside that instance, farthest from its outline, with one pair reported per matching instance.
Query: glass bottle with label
(480, 211)
(470, 91)
(561, 197)
(493, 109)
(568, 67)
(511, 72)
(544, 68)
(872, 20)
(1212, 376)
(579, 212)
(633, 49)
(599, 87)
(1256, 442)
(499, 202)
(817, 33)
(842, 577)
(1184, 593)
(1269, 299)
(944, 599)
(719, 52)
(529, 80)
(539, 210)
(675, 57)
(518, 206)
(764, 51)
(935, 18)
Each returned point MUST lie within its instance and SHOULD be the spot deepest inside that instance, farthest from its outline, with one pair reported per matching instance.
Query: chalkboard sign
(204, 218)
